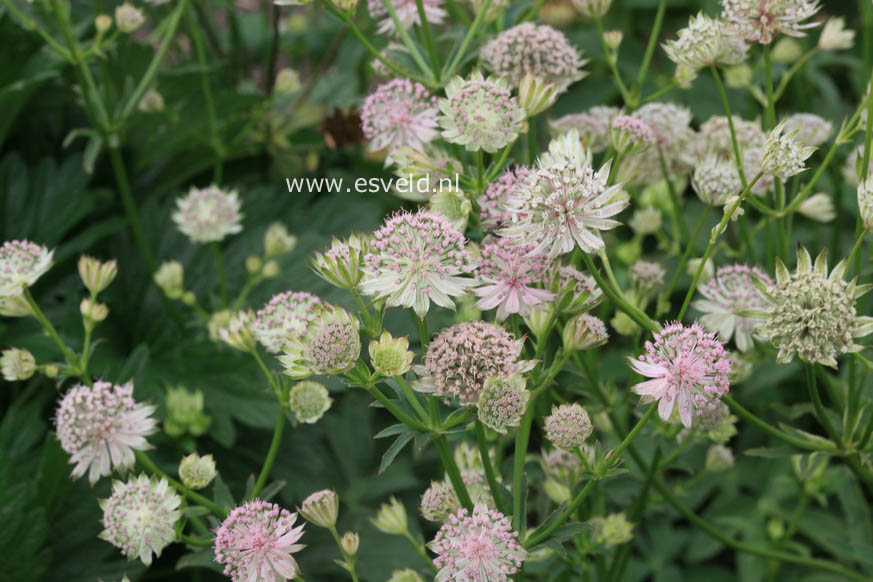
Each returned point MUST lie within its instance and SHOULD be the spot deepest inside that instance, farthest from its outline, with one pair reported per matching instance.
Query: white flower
(208, 214)
(21, 264)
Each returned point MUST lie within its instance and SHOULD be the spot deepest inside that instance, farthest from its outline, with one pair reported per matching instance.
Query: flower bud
(277, 240)
(391, 518)
(309, 401)
(557, 492)
(835, 37)
(536, 94)
(612, 530)
(612, 39)
(96, 275)
(197, 472)
(350, 542)
(568, 426)
(17, 364)
(51, 371)
(537, 320)
(818, 207)
(237, 332)
(865, 200)
(185, 413)
(151, 102)
(92, 311)
(188, 298)
(102, 23)
(271, 269)
(719, 458)
(169, 277)
(287, 81)
(14, 306)
(407, 575)
(708, 270)
(340, 265)
(390, 356)
(786, 51)
(684, 75)
(321, 508)
(592, 9)
(254, 264)
(502, 402)
(583, 332)
(439, 501)
(775, 528)
(738, 77)
(646, 221)
(128, 18)
(454, 205)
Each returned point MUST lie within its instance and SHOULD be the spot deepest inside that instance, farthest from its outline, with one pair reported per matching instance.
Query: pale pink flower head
(399, 113)
(256, 543)
(140, 516)
(628, 133)
(461, 358)
(416, 258)
(101, 427)
(532, 48)
(568, 426)
(21, 264)
(565, 203)
(727, 296)
(593, 126)
(477, 547)
(688, 368)
(508, 272)
(407, 13)
(285, 315)
(208, 214)
(761, 20)
(494, 203)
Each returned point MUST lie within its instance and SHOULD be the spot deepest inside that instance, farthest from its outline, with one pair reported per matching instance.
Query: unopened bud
(321, 508)
(391, 518)
(254, 264)
(102, 23)
(350, 542)
(197, 472)
(271, 269)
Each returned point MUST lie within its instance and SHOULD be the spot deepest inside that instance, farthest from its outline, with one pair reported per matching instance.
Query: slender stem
(489, 468)
(798, 64)
(412, 398)
(146, 462)
(222, 277)
(30, 24)
(206, 87)
(738, 160)
(130, 208)
(659, 93)
(674, 198)
(498, 165)
(683, 260)
(404, 36)
(637, 86)
(397, 412)
(616, 75)
(448, 460)
(815, 397)
(770, 111)
(419, 548)
(349, 559)
(278, 430)
(421, 328)
(428, 40)
(858, 241)
(621, 303)
(196, 542)
(474, 28)
(773, 431)
(50, 330)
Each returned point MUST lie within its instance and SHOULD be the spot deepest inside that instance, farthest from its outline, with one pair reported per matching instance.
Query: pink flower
(399, 113)
(21, 264)
(407, 13)
(285, 315)
(689, 369)
(508, 272)
(100, 427)
(477, 547)
(256, 541)
(494, 202)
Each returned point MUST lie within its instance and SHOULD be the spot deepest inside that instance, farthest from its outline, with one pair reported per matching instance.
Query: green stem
(428, 40)
(130, 208)
(738, 159)
(683, 260)
(206, 87)
(637, 86)
(815, 397)
(278, 430)
(489, 468)
(773, 431)
(146, 462)
(271, 378)
(474, 28)
(30, 24)
(421, 328)
(222, 277)
(674, 199)
(858, 241)
(397, 412)
(404, 36)
(349, 559)
(448, 460)
(412, 398)
(621, 303)
(798, 64)
(196, 542)
(616, 75)
(770, 112)
(51, 331)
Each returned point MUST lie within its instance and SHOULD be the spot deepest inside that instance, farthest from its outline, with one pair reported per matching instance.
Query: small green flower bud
(17, 364)
(391, 518)
(151, 102)
(786, 51)
(350, 542)
(287, 81)
(128, 18)
(169, 277)
(185, 413)
(277, 240)
(557, 492)
(197, 472)
(51, 371)
(102, 23)
(271, 269)
(775, 528)
(613, 530)
(583, 332)
(321, 508)
(391, 356)
(254, 264)
(309, 401)
(719, 458)
(92, 311)
(407, 575)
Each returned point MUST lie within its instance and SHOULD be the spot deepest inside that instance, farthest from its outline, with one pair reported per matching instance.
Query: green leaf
(394, 449)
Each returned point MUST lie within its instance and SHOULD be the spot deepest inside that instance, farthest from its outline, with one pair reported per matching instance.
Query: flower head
(613, 529)
(761, 20)
(197, 472)
(688, 368)
(208, 214)
(407, 13)
(865, 199)
(439, 501)
(286, 314)
(835, 36)
(278, 241)
(715, 180)
(139, 517)
(532, 48)
(390, 356)
(309, 401)
(564, 202)
(101, 427)
(646, 220)
(15, 306)
(592, 126)
(494, 203)
(416, 258)
(728, 296)
(342, 263)
(461, 358)
(584, 332)
(808, 128)
(256, 542)
(818, 207)
(812, 314)
(568, 426)
(96, 275)
(399, 113)
(630, 134)
(508, 271)
(502, 402)
(783, 155)
(480, 113)
(405, 575)
(321, 508)
(477, 547)
(21, 264)
(128, 17)
(185, 412)
(237, 332)
(714, 136)
(17, 364)
(170, 278)
(697, 45)
(592, 8)
(575, 291)
(330, 345)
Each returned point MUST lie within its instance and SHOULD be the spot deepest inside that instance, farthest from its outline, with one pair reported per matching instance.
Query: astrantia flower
(14, 306)
(341, 264)
(476, 547)
(330, 345)
(309, 401)
(480, 114)
(96, 275)
(237, 332)
(285, 315)
(399, 113)
(390, 356)
(646, 220)
(783, 155)
(508, 274)
(698, 44)
(256, 543)
(407, 13)
(612, 530)
(669, 122)
(592, 8)
(17, 364)
(139, 517)
(101, 427)
(502, 402)
(439, 501)
(208, 214)
(321, 508)
(865, 200)
(593, 126)
(568, 426)
(811, 129)
(583, 332)
(416, 258)
(21, 264)
(494, 203)
(630, 134)
(761, 20)
(812, 314)
(645, 277)
(197, 472)
(576, 291)
(715, 179)
(714, 136)
(727, 297)
(533, 48)
(835, 36)
(689, 369)
(564, 202)
(818, 207)
(462, 357)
